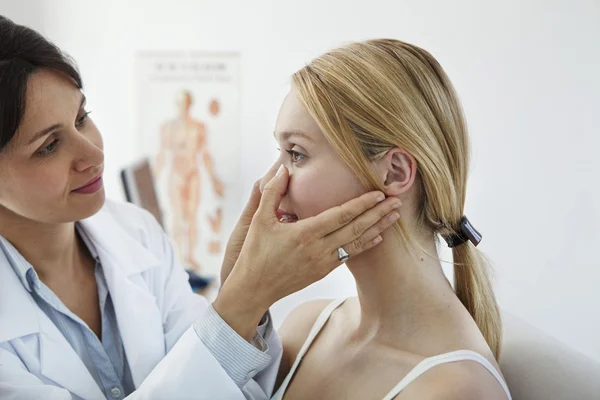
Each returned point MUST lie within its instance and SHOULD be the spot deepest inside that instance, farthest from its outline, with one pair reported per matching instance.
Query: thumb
(273, 192)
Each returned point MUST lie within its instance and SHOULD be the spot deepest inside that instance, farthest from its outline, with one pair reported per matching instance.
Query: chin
(86, 207)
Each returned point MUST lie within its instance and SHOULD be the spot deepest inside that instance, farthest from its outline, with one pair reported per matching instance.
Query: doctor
(93, 304)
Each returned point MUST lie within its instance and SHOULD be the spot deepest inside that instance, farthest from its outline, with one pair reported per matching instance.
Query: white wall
(527, 73)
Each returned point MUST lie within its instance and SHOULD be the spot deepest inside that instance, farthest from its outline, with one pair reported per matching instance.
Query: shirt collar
(87, 241)
(25, 271)
(18, 263)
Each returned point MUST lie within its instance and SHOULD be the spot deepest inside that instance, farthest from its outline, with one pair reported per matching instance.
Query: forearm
(239, 312)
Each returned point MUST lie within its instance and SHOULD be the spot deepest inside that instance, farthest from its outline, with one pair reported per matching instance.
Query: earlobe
(398, 170)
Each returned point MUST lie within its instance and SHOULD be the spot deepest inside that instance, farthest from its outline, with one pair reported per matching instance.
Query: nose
(88, 154)
(269, 175)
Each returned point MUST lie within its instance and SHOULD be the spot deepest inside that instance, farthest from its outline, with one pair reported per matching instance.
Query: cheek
(47, 180)
(314, 190)
(34, 191)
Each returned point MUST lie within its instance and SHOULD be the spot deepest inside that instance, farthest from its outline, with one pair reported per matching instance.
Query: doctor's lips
(284, 216)
(91, 187)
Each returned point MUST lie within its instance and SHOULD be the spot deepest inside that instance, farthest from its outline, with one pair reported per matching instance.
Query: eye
(82, 120)
(295, 155)
(49, 149)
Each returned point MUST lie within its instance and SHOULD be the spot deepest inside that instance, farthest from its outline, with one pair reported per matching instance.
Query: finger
(252, 205)
(334, 218)
(365, 241)
(269, 175)
(353, 252)
(373, 218)
(273, 192)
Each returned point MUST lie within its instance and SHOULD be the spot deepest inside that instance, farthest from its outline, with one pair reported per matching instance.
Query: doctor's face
(319, 178)
(51, 170)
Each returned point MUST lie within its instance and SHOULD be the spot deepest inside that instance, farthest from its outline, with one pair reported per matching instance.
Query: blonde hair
(373, 96)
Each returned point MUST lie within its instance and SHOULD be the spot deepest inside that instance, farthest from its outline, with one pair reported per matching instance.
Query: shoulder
(462, 380)
(295, 330)
(298, 324)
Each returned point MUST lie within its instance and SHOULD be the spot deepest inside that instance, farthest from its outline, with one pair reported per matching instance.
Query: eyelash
(83, 119)
(51, 147)
(293, 154)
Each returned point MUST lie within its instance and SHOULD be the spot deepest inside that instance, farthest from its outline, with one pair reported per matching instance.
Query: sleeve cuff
(263, 333)
(240, 359)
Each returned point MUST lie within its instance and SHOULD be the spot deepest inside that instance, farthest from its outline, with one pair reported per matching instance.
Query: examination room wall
(526, 72)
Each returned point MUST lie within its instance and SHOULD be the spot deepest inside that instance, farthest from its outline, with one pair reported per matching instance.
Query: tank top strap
(318, 325)
(455, 356)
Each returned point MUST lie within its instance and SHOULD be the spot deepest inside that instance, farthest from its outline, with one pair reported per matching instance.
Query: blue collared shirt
(105, 359)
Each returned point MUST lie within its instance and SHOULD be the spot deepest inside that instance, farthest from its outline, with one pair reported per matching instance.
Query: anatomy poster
(188, 125)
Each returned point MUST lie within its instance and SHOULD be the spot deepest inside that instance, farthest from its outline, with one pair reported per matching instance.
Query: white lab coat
(155, 309)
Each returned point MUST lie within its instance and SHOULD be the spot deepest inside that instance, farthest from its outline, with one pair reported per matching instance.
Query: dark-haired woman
(93, 303)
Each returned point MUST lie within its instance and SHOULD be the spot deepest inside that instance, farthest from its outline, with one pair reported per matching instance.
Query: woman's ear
(397, 170)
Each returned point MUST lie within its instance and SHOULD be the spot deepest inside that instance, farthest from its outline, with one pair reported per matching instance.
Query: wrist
(241, 312)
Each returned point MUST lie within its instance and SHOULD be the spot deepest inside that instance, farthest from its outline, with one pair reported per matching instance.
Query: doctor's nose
(269, 175)
(89, 154)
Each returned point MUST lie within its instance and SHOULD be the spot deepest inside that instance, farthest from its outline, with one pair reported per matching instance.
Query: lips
(285, 216)
(91, 187)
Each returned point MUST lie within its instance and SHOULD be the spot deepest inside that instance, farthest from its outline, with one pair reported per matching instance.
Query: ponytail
(473, 287)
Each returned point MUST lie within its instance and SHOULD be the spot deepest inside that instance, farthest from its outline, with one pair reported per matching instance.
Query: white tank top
(418, 370)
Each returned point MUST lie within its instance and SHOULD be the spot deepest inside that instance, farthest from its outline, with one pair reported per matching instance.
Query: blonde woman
(383, 115)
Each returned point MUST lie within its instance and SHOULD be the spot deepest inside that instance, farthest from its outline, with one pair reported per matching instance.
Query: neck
(54, 250)
(397, 291)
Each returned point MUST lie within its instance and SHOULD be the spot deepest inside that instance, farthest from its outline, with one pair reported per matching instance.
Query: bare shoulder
(463, 380)
(295, 330)
(298, 324)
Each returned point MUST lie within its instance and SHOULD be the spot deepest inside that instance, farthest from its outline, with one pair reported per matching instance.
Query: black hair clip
(466, 233)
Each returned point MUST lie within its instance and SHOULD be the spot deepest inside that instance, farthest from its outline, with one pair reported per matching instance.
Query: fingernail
(380, 198)
(396, 205)
(394, 217)
(280, 170)
(377, 240)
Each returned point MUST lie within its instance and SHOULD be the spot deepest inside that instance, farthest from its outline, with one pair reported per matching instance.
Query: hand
(278, 259)
(238, 236)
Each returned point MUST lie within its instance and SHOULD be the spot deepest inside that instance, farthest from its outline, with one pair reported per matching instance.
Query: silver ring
(342, 255)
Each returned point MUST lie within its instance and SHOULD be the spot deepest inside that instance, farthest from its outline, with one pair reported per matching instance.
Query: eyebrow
(54, 127)
(287, 134)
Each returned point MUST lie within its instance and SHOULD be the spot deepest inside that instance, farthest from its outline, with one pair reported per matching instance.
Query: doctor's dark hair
(22, 52)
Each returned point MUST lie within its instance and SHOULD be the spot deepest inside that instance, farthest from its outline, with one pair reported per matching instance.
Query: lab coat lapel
(58, 360)
(124, 260)
(16, 305)
(61, 364)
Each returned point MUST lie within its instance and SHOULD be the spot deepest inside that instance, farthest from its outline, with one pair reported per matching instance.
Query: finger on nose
(268, 176)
